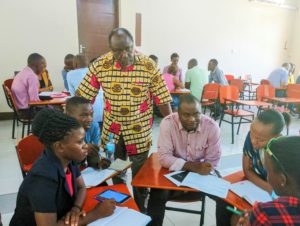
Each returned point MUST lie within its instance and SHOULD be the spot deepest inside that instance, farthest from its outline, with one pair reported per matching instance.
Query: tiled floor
(11, 178)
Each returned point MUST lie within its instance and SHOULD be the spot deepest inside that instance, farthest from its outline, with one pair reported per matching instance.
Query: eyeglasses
(271, 154)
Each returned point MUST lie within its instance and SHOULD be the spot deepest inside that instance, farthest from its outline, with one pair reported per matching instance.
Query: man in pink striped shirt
(187, 141)
(25, 86)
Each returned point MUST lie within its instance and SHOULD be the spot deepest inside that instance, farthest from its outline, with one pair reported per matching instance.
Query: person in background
(154, 58)
(68, 67)
(25, 86)
(44, 79)
(131, 81)
(267, 125)
(281, 158)
(195, 78)
(216, 75)
(174, 61)
(188, 141)
(82, 110)
(75, 77)
(279, 78)
(291, 79)
(172, 84)
(53, 192)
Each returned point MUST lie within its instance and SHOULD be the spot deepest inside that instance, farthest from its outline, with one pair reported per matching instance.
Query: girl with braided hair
(53, 192)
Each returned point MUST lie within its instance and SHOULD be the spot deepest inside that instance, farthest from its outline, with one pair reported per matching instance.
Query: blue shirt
(278, 76)
(218, 76)
(255, 157)
(92, 135)
(64, 75)
(74, 79)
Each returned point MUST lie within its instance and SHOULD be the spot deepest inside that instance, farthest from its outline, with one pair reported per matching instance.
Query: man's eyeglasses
(271, 154)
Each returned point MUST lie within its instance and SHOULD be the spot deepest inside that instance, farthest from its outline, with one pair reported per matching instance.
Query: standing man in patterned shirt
(130, 81)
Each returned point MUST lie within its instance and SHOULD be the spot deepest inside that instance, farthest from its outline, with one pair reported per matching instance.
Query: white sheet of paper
(48, 93)
(93, 177)
(249, 191)
(208, 184)
(106, 220)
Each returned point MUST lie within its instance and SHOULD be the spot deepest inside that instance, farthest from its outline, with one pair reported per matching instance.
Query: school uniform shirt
(45, 190)
(128, 96)
(256, 157)
(282, 211)
(176, 146)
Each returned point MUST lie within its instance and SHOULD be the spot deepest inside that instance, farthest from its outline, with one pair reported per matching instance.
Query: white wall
(246, 37)
(43, 26)
(295, 46)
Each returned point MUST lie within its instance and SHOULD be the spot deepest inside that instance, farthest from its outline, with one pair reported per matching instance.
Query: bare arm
(253, 177)
(177, 83)
(165, 109)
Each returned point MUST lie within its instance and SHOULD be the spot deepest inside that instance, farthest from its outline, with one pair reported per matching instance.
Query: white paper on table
(122, 216)
(48, 93)
(93, 177)
(207, 183)
(120, 165)
(250, 192)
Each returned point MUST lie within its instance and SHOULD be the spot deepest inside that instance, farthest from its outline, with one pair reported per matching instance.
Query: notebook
(93, 177)
(120, 165)
(250, 192)
(123, 216)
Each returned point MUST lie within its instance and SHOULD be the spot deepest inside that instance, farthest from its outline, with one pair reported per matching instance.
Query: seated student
(53, 192)
(188, 141)
(174, 62)
(172, 84)
(68, 67)
(281, 159)
(75, 77)
(44, 79)
(81, 109)
(25, 86)
(266, 125)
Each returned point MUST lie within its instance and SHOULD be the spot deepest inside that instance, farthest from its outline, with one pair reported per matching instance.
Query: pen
(235, 210)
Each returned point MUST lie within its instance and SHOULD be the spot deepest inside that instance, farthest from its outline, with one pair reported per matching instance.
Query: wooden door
(96, 19)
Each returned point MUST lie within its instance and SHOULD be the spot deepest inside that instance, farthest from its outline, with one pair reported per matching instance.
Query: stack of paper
(250, 192)
(123, 216)
(93, 177)
(208, 184)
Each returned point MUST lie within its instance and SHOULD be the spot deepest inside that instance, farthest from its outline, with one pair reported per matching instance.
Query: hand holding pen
(244, 216)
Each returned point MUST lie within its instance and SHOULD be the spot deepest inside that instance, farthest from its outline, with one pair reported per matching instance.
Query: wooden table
(180, 91)
(253, 103)
(91, 202)
(151, 175)
(54, 101)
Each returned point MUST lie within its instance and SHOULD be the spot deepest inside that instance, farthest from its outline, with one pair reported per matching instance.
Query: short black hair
(214, 61)
(153, 57)
(74, 102)
(50, 126)
(34, 58)
(69, 56)
(193, 62)
(286, 150)
(188, 98)
(118, 31)
(277, 119)
(174, 55)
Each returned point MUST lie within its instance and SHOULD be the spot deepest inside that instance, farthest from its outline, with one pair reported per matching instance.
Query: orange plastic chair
(229, 78)
(28, 151)
(210, 96)
(264, 91)
(232, 92)
(240, 85)
(265, 82)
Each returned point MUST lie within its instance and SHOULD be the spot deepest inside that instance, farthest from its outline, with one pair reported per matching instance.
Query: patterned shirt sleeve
(90, 84)
(258, 217)
(158, 86)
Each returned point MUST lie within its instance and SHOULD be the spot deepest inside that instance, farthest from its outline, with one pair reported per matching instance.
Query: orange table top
(179, 91)
(91, 202)
(54, 101)
(151, 175)
(251, 103)
(284, 100)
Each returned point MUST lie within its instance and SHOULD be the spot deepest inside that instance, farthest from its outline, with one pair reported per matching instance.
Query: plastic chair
(210, 96)
(264, 91)
(240, 85)
(232, 92)
(265, 82)
(229, 78)
(28, 151)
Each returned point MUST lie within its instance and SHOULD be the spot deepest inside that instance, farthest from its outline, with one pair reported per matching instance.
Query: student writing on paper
(267, 125)
(282, 159)
(187, 141)
(82, 110)
(53, 192)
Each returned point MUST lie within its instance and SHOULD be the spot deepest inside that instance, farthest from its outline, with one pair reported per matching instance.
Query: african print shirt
(128, 97)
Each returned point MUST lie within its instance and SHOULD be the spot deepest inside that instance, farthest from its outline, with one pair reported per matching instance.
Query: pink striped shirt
(25, 87)
(177, 146)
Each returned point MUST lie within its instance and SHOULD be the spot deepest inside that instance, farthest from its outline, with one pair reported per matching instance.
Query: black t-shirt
(45, 190)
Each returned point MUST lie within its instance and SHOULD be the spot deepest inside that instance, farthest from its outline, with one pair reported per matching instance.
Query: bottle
(110, 148)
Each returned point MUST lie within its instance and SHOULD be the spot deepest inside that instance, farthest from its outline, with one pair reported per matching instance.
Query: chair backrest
(8, 84)
(210, 91)
(229, 77)
(11, 99)
(293, 90)
(265, 82)
(229, 92)
(264, 91)
(29, 149)
(238, 83)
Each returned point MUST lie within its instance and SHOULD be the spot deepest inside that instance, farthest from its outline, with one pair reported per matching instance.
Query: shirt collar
(55, 161)
(216, 68)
